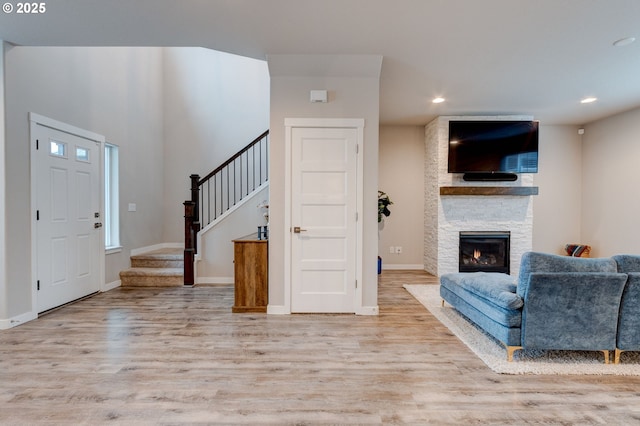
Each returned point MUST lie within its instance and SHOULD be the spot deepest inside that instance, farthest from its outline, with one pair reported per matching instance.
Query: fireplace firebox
(484, 252)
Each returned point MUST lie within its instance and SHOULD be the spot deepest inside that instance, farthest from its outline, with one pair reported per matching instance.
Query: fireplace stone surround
(448, 215)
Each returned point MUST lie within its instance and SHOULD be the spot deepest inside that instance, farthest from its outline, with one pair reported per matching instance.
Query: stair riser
(150, 281)
(156, 263)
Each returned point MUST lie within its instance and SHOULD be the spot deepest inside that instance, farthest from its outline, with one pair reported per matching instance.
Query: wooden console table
(250, 274)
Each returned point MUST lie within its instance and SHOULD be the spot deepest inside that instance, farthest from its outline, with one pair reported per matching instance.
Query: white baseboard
(368, 310)
(277, 310)
(137, 251)
(111, 285)
(282, 310)
(403, 267)
(6, 324)
(214, 280)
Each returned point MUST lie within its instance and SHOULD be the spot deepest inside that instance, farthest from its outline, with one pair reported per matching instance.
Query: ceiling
(535, 57)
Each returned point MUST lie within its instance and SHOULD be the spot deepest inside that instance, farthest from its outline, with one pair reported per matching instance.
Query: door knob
(297, 230)
(97, 225)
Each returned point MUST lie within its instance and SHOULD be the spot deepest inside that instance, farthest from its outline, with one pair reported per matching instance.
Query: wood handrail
(234, 157)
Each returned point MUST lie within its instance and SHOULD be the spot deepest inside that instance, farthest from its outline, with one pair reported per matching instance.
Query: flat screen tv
(493, 147)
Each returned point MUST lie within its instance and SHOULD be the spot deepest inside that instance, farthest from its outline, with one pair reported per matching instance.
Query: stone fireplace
(453, 205)
(484, 251)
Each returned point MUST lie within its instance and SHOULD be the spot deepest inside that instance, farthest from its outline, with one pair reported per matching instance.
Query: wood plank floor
(179, 356)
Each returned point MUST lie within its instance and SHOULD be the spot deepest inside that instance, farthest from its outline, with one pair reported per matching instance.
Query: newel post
(195, 199)
(191, 228)
(195, 196)
(189, 243)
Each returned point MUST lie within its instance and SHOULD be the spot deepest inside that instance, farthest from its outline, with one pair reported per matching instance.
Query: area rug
(493, 354)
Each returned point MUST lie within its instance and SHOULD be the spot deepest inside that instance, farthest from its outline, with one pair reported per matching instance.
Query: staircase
(219, 191)
(158, 268)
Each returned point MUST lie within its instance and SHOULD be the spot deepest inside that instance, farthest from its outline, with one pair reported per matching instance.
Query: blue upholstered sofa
(557, 302)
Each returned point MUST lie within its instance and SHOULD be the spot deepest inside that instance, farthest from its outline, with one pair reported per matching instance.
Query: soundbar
(490, 177)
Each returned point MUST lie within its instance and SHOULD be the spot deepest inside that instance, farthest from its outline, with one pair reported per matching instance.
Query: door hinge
(38, 285)
(37, 144)
(356, 283)
(357, 149)
(37, 214)
(356, 216)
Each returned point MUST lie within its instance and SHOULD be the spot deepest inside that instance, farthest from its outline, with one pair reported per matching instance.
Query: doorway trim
(349, 123)
(39, 120)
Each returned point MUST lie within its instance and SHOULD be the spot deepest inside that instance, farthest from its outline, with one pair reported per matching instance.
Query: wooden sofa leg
(510, 351)
(606, 356)
(616, 357)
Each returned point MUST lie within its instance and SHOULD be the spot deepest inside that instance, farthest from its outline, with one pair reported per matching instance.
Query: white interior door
(68, 222)
(323, 218)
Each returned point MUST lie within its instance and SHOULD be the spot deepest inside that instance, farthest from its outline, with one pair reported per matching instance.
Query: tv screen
(493, 146)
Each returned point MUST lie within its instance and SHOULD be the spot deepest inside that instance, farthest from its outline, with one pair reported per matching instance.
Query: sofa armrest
(572, 310)
(629, 320)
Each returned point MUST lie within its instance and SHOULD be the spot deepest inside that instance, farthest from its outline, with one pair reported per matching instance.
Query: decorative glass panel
(58, 149)
(82, 154)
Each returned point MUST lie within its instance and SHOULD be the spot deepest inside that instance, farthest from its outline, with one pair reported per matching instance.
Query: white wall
(610, 201)
(116, 92)
(557, 209)
(214, 104)
(215, 247)
(352, 94)
(401, 176)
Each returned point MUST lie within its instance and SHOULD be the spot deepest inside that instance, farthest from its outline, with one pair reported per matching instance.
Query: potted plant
(383, 205)
(383, 211)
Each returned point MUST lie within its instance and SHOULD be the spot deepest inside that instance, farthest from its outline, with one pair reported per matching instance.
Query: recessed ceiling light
(588, 100)
(624, 41)
(438, 100)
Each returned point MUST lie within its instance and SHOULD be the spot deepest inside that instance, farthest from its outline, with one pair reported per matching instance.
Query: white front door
(323, 219)
(68, 219)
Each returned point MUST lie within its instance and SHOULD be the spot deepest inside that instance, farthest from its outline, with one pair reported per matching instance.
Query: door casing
(39, 120)
(350, 123)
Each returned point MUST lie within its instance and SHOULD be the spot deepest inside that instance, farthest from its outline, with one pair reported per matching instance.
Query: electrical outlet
(392, 249)
(398, 250)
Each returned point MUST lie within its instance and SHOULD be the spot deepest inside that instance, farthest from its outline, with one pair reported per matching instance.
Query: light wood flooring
(179, 356)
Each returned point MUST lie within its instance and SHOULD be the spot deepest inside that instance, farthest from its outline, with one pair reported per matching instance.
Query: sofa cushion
(545, 262)
(499, 289)
(500, 323)
(627, 263)
(490, 301)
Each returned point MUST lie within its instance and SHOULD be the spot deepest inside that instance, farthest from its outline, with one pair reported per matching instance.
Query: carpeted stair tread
(166, 254)
(162, 258)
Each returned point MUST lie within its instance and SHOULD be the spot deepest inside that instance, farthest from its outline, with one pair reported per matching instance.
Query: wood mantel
(489, 190)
